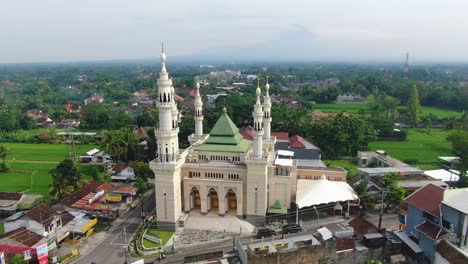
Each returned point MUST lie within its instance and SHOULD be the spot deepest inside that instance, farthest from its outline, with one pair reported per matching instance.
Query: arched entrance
(213, 202)
(195, 201)
(231, 201)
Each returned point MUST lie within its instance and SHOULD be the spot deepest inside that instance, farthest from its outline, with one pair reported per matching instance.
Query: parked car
(293, 228)
(265, 232)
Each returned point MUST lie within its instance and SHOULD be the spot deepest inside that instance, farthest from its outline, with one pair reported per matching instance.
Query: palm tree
(4, 151)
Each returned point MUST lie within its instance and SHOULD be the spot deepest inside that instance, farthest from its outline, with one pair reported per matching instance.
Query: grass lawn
(163, 235)
(440, 112)
(419, 146)
(345, 164)
(30, 164)
(2, 228)
(336, 108)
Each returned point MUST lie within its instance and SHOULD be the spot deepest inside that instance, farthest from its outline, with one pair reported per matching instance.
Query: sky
(88, 30)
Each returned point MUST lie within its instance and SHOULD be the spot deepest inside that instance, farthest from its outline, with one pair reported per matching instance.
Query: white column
(198, 115)
(267, 112)
(258, 126)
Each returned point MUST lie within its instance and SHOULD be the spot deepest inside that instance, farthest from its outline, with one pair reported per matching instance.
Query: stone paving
(213, 222)
(200, 228)
(188, 237)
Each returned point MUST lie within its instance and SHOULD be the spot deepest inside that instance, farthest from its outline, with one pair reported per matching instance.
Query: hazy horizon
(241, 31)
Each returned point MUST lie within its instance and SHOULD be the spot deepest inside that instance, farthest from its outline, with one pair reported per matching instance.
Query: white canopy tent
(323, 191)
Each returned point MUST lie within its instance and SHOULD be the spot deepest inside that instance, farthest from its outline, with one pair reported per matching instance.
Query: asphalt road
(111, 249)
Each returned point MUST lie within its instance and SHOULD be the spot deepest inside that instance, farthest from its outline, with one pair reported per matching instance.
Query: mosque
(222, 172)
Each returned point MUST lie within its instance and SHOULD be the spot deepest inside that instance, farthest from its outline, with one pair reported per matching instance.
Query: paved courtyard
(213, 222)
(200, 228)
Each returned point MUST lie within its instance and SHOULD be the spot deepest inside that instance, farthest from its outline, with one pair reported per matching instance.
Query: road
(110, 249)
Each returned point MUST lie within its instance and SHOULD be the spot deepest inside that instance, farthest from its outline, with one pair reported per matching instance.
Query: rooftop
(428, 198)
(431, 230)
(225, 137)
(457, 199)
(451, 253)
(89, 187)
(362, 226)
(45, 215)
(22, 236)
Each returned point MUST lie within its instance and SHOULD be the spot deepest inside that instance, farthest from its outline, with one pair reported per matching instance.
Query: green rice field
(29, 166)
(420, 147)
(355, 108)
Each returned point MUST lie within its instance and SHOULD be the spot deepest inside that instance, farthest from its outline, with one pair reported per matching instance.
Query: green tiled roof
(277, 208)
(224, 137)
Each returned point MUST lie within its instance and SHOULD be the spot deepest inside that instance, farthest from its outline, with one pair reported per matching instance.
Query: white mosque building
(222, 172)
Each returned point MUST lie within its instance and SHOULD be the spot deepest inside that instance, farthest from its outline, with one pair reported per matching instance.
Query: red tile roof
(125, 190)
(89, 187)
(23, 236)
(281, 135)
(247, 133)
(297, 141)
(83, 203)
(141, 133)
(431, 230)
(427, 198)
(344, 244)
(44, 215)
(119, 167)
(362, 226)
(10, 196)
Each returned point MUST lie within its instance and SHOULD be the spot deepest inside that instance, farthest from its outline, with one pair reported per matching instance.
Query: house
(378, 158)
(21, 241)
(44, 221)
(454, 210)
(410, 182)
(42, 119)
(348, 98)
(95, 155)
(9, 203)
(141, 134)
(94, 99)
(421, 221)
(67, 123)
(122, 172)
(93, 198)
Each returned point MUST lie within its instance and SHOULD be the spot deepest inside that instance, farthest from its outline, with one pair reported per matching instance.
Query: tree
(143, 170)
(361, 190)
(342, 135)
(4, 152)
(64, 176)
(120, 144)
(17, 259)
(27, 123)
(395, 193)
(459, 141)
(414, 107)
(142, 185)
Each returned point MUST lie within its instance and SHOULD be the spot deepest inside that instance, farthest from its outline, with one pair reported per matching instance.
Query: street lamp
(316, 211)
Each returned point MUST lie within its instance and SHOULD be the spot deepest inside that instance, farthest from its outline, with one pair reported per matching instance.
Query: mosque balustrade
(169, 133)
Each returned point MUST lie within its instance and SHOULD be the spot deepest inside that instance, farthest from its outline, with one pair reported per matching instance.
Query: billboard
(114, 197)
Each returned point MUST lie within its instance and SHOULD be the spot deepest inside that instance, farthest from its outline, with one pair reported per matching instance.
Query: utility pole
(125, 245)
(297, 214)
(56, 239)
(381, 208)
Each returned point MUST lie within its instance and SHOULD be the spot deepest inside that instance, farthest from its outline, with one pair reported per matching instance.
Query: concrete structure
(222, 172)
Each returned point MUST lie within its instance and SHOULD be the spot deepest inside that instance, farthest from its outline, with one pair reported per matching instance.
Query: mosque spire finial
(163, 58)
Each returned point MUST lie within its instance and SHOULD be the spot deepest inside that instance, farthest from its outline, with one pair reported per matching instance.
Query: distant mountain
(296, 43)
